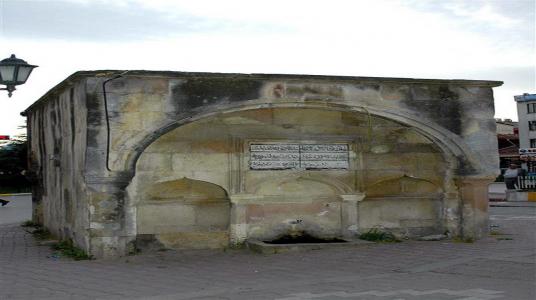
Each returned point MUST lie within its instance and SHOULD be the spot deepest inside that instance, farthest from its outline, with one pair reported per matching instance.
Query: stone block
(127, 121)
(369, 94)
(123, 138)
(199, 161)
(299, 117)
(411, 136)
(398, 213)
(355, 119)
(195, 240)
(213, 216)
(168, 146)
(271, 220)
(107, 247)
(313, 91)
(249, 117)
(430, 161)
(211, 146)
(152, 103)
(129, 103)
(401, 161)
(394, 92)
(153, 120)
(153, 217)
(155, 162)
(320, 129)
(219, 177)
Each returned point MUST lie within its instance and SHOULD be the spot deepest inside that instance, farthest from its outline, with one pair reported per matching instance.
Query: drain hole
(303, 239)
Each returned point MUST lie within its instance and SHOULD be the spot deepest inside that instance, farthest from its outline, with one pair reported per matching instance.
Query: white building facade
(526, 111)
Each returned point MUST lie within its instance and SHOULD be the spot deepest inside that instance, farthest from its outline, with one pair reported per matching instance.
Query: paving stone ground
(499, 267)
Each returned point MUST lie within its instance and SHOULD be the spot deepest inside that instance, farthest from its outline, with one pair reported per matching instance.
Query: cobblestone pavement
(499, 267)
(18, 210)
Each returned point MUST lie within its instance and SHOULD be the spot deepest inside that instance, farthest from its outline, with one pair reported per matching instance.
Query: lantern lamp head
(14, 71)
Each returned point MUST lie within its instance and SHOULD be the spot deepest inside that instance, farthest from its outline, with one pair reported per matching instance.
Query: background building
(526, 111)
(508, 141)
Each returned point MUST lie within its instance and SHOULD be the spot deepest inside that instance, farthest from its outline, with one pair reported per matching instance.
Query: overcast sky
(470, 39)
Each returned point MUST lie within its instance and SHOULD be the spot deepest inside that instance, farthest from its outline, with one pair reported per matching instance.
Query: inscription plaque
(298, 156)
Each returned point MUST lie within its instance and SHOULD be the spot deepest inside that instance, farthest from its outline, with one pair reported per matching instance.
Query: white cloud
(361, 38)
(484, 14)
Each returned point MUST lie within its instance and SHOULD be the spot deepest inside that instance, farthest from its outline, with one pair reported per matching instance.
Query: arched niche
(407, 206)
(183, 214)
(185, 190)
(403, 186)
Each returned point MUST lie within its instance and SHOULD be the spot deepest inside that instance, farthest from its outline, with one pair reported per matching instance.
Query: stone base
(474, 194)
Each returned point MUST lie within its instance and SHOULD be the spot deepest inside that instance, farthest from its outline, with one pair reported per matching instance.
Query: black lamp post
(14, 71)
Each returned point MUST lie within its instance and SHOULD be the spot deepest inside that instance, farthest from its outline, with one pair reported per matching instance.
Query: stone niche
(185, 213)
(263, 173)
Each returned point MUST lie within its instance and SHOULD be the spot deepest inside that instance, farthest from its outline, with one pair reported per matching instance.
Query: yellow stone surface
(400, 173)
(194, 240)
(391, 212)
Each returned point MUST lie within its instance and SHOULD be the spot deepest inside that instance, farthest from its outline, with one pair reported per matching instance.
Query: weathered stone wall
(401, 172)
(143, 107)
(57, 147)
(437, 154)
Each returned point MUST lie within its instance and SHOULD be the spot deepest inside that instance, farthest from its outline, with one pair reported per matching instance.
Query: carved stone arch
(183, 213)
(185, 189)
(401, 186)
(460, 156)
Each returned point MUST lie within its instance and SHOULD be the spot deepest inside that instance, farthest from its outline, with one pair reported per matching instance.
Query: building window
(532, 125)
(531, 108)
(533, 143)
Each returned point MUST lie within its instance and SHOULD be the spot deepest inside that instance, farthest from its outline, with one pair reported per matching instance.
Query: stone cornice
(259, 76)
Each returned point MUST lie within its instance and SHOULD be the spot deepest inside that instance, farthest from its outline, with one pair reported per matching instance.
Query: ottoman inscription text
(294, 156)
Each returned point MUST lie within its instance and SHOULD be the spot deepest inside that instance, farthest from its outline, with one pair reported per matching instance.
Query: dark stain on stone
(71, 115)
(68, 213)
(120, 208)
(94, 111)
(442, 106)
(488, 125)
(52, 114)
(446, 94)
(480, 104)
(41, 119)
(91, 138)
(199, 92)
(56, 132)
(375, 87)
(117, 84)
(148, 242)
(465, 167)
(94, 119)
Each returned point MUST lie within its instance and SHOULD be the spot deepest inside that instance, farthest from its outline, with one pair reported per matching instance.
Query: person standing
(510, 176)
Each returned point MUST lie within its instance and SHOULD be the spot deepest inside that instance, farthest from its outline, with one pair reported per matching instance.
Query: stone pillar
(106, 197)
(350, 214)
(238, 222)
(474, 211)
